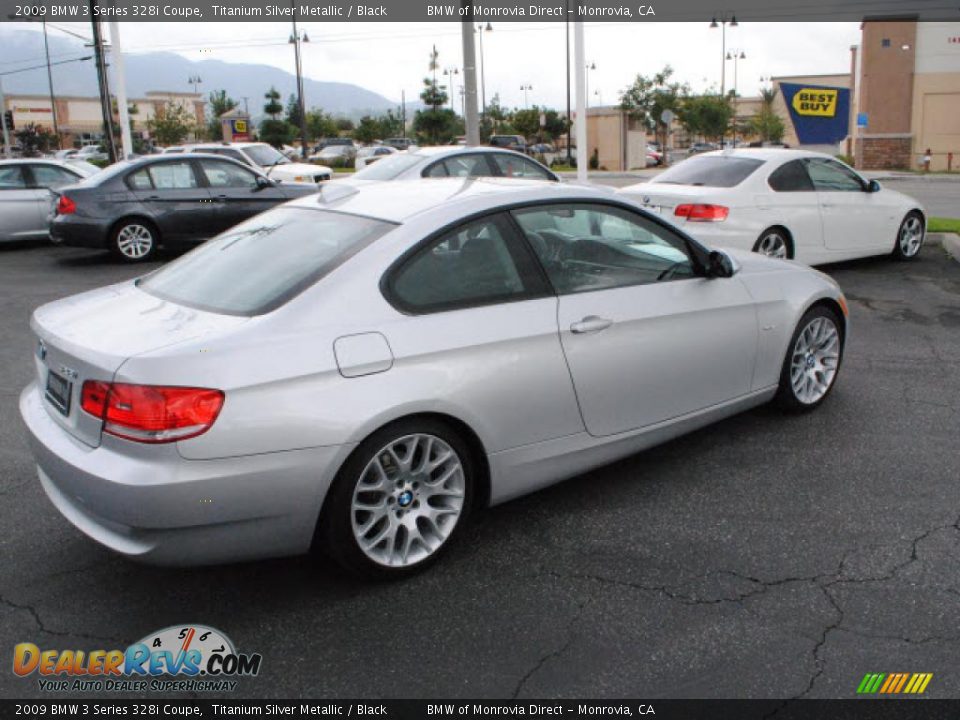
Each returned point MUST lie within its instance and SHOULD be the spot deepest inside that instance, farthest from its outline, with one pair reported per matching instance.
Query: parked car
(64, 154)
(335, 155)
(27, 193)
(701, 147)
(510, 142)
(135, 206)
(267, 160)
(91, 152)
(403, 143)
(342, 142)
(362, 372)
(369, 155)
(454, 161)
(785, 203)
(541, 148)
(654, 157)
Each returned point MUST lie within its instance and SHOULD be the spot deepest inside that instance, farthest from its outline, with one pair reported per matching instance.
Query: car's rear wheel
(813, 360)
(910, 237)
(399, 499)
(134, 240)
(775, 243)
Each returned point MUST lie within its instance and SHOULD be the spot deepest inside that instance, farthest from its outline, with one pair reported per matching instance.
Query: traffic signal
(8, 118)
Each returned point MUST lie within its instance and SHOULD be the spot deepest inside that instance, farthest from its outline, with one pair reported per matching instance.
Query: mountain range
(164, 71)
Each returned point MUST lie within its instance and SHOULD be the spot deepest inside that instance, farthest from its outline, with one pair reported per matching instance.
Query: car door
(479, 324)
(793, 202)
(852, 218)
(43, 176)
(172, 194)
(646, 337)
(20, 205)
(236, 192)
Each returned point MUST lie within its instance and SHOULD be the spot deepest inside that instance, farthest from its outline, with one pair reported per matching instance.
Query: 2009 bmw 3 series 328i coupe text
(359, 369)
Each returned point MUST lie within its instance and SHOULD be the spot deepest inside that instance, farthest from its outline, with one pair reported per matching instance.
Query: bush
(595, 159)
(845, 159)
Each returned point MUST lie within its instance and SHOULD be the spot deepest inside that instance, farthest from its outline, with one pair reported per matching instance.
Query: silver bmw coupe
(358, 370)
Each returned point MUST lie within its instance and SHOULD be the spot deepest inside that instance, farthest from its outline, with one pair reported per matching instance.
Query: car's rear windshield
(388, 168)
(260, 264)
(716, 171)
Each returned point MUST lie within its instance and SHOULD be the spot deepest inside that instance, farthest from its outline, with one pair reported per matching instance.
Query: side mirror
(873, 186)
(263, 183)
(721, 265)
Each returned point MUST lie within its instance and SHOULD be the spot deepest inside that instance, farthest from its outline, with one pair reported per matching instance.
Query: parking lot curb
(949, 241)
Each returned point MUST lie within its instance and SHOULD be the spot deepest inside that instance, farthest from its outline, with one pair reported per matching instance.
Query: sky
(390, 57)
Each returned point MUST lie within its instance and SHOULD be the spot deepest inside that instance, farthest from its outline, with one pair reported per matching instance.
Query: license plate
(58, 392)
(654, 208)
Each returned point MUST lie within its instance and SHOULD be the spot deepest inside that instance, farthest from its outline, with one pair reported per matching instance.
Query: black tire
(135, 240)
(771, 238)
(907, 245)
(788, 397)
(335, 533)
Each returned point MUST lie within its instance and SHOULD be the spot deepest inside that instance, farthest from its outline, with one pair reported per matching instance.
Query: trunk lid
(663, 198)
(89, 336)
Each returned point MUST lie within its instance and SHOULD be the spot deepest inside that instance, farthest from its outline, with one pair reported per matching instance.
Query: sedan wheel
(399, 500)
(909, 238)
(812, 363)
(134, 242)
(773, 243)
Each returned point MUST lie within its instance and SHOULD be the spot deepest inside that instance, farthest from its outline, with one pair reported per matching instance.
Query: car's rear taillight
(151, 413)
(702, 213)
(66, 206)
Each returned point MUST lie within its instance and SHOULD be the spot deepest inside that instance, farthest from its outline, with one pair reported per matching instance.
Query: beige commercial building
(80, 119)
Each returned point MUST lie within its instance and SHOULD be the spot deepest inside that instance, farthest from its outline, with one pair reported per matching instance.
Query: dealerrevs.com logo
(178, 658)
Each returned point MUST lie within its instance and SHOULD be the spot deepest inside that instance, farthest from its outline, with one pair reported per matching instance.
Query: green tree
(706, 115)
(527, 123)
(272, 106)
(293, 111)
(434, 123)
(171, 124)
(766, 124)
(219, 103)
(35, 139)
(367, 130)
(276, 132)
(344, 125)
(320, 124)
(647, 97)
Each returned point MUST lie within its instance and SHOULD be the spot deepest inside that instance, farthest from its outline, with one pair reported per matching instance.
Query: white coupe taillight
(151, 413)
(702, 213)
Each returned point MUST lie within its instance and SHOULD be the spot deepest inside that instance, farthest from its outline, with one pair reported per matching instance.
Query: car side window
(50, 176)
(830, 176)
(436, 170)
(140, 180)
(11, 178)
(222, 174)
(479, 263)
(467, 166)
(521, 167)
(790, 177)
(585, 247)
(173, 176)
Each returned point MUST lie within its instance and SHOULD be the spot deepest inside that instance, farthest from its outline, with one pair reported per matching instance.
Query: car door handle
(590, 324)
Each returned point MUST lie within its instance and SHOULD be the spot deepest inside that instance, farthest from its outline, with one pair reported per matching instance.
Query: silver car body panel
(307, 382)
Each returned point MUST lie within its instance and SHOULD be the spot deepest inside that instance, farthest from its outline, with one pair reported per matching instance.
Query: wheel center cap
(406, 497)
(811, 361)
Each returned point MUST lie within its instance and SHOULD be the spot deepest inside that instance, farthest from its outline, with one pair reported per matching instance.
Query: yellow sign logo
(816, 102)
(240, 126)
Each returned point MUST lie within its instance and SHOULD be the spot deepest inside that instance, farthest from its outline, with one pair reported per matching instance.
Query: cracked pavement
(767, 556)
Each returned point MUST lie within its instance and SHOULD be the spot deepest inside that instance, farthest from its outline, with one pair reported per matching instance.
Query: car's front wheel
(813, 360)
(134, 240)
(909, 237)
(399, 499)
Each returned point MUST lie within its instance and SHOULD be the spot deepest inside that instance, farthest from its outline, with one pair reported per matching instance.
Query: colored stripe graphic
(894, 683)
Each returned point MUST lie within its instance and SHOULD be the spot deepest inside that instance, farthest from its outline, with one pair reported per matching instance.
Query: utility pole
(105, 109)
(296, 39)
(470, 115)
(120, 75)
(569, 118)
(3, 121)
(53, 100)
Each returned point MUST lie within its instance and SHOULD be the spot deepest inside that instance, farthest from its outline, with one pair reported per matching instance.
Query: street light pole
(569, 117)
(296, 39)
(736, 56)
(483, 81)
(53, 100)
(105, 109)
(526, 87)
(589, 67)
(449, 72)
(723, 55)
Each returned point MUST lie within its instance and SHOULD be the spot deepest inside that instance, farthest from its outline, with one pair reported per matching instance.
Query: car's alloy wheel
(134, 242)
(399, 500)
(812, 361)
(910, 237)
(773, 243)
(407, 500)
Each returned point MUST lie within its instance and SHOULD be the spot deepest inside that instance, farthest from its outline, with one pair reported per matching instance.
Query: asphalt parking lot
(768, 556)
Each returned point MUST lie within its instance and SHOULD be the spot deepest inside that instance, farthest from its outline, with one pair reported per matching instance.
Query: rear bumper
(78, 233)
(151, 505)
(721, 234)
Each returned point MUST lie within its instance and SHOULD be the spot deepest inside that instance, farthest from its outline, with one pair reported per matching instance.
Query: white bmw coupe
(788, 204)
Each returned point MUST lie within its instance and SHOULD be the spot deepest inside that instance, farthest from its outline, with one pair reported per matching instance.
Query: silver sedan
(453, 161)
(360, 369)
(26, 197)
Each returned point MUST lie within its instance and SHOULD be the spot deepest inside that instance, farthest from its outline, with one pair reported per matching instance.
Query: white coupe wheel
(910, 237)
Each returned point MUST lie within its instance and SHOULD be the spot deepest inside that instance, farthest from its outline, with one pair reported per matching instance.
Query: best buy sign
(816, 102)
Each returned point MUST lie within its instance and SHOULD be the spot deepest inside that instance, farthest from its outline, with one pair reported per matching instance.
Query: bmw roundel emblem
(646, 200)
(406, 497)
